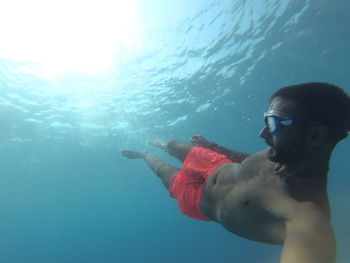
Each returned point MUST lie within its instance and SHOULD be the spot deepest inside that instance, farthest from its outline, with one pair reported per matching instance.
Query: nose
(264, 133)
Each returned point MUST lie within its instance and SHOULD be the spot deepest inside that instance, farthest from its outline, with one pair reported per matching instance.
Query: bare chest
(243, 202)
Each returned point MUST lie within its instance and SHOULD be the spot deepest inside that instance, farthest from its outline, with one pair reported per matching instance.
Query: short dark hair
(322, 102)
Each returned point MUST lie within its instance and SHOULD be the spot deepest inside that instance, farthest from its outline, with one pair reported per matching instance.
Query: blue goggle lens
(271, 123)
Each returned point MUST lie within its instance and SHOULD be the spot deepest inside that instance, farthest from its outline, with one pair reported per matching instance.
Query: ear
(317, 135)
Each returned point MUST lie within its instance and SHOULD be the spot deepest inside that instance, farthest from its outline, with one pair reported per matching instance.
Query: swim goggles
(274, 123)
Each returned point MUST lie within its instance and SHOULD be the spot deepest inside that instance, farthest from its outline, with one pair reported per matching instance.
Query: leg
(176, 149)
(162, 169)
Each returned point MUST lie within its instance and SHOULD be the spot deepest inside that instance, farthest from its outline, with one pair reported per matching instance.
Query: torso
(249, 199)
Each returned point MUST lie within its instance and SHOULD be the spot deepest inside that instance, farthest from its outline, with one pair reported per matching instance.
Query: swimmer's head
(320, 102)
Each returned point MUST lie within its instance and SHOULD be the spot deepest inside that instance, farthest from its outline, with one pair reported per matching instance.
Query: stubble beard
(285, 156)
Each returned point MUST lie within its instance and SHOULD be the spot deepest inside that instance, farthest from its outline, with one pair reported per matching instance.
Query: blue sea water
(198, 67)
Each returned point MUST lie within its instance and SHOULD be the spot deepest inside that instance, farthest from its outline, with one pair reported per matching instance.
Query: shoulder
(309, 235)
(257, 157)
(255, 165)
(259, 163)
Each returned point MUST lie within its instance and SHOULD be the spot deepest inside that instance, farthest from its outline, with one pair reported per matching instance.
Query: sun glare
(67, 35)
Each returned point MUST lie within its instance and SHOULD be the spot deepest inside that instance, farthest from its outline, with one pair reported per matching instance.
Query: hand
(199, 140)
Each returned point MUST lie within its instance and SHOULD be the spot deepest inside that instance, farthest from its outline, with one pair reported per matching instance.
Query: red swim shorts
(188, 184)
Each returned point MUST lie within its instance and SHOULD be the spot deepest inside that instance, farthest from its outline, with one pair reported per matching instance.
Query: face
(287, 145)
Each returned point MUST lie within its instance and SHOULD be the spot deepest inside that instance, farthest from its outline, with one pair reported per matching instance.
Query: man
(276, 196)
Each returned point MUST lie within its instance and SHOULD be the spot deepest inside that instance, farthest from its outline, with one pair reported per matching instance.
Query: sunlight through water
(132, 68)
(65, 35)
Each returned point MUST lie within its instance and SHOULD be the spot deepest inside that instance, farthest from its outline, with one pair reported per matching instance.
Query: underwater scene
(80, 81)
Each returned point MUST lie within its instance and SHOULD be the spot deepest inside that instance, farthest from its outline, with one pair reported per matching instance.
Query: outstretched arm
(309, 238)
(235, 156)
